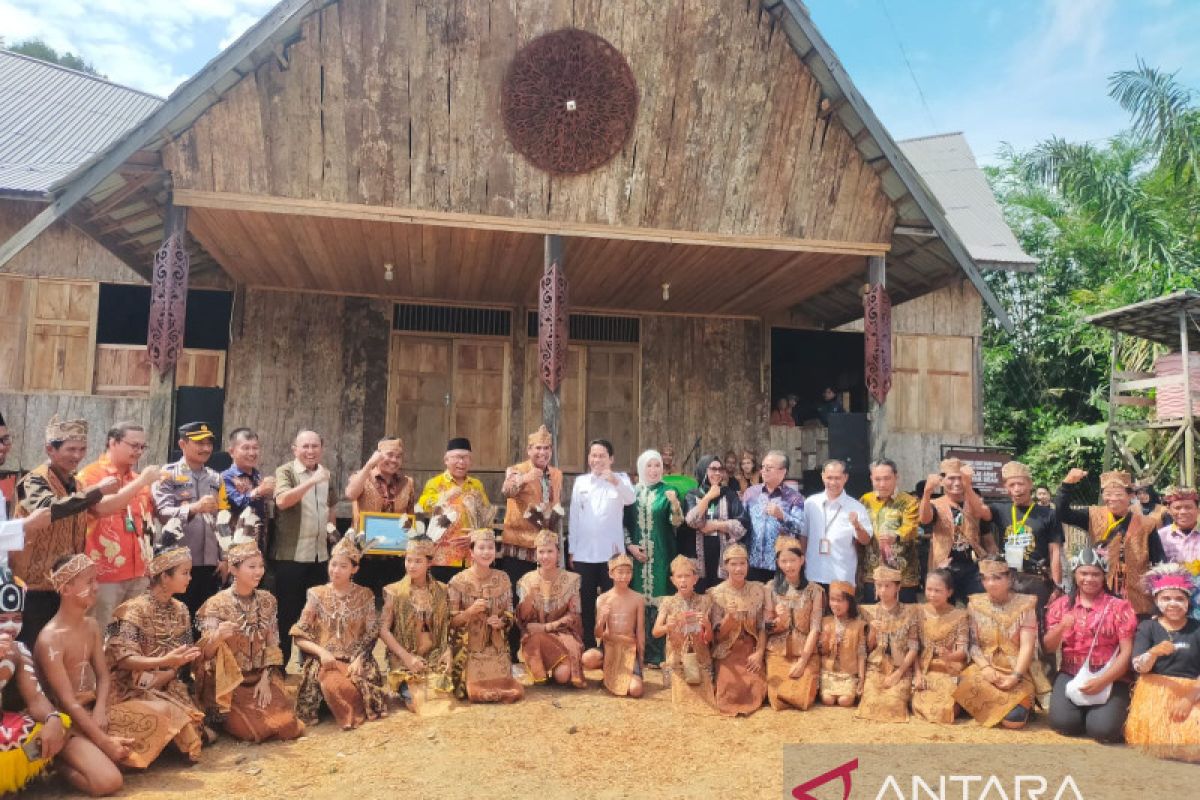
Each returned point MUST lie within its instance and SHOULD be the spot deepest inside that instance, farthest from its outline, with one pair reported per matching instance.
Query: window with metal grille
(452, 319)
(595, 328)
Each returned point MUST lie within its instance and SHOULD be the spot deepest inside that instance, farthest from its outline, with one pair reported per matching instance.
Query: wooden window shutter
(60, 349)
(933, 385)
(14, 319)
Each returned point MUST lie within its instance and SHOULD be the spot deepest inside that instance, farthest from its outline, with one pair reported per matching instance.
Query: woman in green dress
(650, 524)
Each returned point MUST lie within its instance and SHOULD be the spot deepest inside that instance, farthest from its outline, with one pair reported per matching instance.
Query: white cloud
(1052, 81)
(133, 42)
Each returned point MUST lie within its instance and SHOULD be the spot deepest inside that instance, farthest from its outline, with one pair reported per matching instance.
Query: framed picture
(389, 529)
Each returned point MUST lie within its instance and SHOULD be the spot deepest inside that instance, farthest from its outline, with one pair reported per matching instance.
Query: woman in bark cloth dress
(650, 523)
(793, 626)
(336, 633)
(482, 612)
(892, 645)
(684, 619)
(415, 629)
(843, 648)
(1004, 677)
(1164, 717)
(149, 640)
(550, 617)
(239, 682)
(945, 634)
(739, 610)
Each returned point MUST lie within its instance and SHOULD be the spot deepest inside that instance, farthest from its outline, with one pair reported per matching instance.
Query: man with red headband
(1180, 540)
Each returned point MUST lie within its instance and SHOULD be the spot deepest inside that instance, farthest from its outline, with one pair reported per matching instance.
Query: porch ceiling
(471, 265)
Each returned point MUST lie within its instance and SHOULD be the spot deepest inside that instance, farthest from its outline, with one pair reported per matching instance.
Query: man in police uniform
(191, 496)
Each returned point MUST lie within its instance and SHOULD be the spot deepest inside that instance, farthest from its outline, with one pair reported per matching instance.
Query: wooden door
(480, 399)
(14, 309)
(60, 354)
(419, 398)
(573, 397)
(613, 402)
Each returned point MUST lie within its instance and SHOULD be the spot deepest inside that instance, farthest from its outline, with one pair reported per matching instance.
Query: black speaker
(201, 404)
(850, 441)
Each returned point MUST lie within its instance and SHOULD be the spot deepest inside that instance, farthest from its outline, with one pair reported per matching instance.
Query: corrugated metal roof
(947, 165)
(1156, 320)
(53, 119)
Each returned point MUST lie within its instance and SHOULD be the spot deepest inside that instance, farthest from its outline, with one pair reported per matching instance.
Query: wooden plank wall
(703, 377)
(27, 416)
(335, 381)
(62, 251)
(955, 310)
(310, 361)
(398, 104)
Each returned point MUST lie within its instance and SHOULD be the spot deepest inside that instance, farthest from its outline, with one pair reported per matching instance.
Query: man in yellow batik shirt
(455, 491)
(894, 534)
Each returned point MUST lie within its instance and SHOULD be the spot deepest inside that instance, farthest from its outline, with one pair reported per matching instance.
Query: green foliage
(1064, 447)
(36, 48)
(1111, 225)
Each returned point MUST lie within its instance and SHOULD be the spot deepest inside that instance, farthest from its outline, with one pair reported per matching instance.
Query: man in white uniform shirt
(596, 528)
(835, 522)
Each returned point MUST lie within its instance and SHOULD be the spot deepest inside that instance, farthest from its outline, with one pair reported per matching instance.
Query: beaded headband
(787, 543)
(482, 535)
(886, 573)
(735, 551)
(69, 571)
(841, 587)
(352, 546)
(420, 546)
(620, 560)
(989, 567)
(682, 562)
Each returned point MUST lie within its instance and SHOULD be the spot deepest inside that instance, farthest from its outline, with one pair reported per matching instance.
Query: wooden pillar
(552, 335)
(877, 325)
(168, 306)
(1188, 468)
(1111, 454)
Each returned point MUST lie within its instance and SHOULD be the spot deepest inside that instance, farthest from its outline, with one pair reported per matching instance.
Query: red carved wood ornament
(168, 303)
(552, 326)
(877, 325)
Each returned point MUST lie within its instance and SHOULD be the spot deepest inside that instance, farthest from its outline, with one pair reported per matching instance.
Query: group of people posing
(740, 592)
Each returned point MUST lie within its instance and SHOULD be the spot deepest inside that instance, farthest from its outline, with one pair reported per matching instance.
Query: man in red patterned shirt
(116, 530)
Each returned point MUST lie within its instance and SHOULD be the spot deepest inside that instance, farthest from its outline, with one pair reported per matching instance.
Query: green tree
(36, 48)
(1111, 224)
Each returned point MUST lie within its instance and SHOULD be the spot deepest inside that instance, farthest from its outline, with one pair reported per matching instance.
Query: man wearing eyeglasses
(116, 535)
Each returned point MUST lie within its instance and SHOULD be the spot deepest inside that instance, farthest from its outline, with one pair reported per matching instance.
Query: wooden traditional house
(390, 193)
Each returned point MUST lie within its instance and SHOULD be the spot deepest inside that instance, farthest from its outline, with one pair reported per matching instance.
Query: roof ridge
(96, 78)
(927, 136)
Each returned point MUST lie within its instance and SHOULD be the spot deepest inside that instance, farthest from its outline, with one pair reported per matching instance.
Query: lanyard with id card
(825, 546)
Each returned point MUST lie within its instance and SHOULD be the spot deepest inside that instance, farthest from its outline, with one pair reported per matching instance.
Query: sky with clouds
(1011, 71)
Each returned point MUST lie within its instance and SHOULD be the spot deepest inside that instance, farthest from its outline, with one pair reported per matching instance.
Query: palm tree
(1164, 117)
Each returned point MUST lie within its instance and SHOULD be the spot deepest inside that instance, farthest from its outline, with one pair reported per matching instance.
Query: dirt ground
(556, 743)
